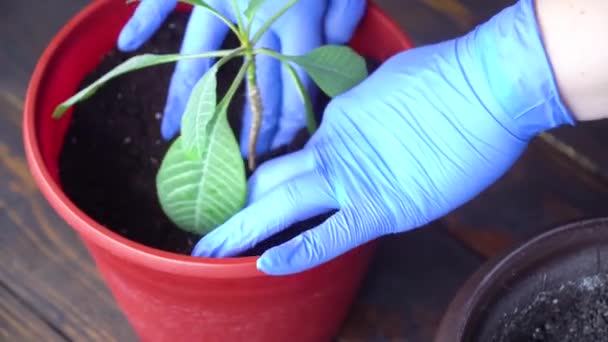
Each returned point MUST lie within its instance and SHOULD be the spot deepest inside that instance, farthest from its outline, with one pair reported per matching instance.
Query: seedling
(202, 181)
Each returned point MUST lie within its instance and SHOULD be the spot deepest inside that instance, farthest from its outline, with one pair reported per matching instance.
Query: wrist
(508, 68)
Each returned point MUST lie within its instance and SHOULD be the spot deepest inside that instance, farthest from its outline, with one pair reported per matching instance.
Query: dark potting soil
(113, 147)
(576, 312)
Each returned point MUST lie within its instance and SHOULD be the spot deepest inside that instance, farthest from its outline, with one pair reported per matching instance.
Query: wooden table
(50, 288)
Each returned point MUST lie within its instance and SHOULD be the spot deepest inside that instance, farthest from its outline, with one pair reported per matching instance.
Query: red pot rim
(237, 267)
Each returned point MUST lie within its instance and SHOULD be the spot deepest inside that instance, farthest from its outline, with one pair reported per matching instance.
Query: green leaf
(202, 107)
(254, 6)
(199, 195)
(310, 116)
(334, 68)
(199, 113)
(132, 64)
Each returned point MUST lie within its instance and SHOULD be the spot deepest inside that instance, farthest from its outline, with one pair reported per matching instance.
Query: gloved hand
(425, 133)
(305, 26)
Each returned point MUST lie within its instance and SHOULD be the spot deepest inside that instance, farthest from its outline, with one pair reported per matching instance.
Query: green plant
(202, 181)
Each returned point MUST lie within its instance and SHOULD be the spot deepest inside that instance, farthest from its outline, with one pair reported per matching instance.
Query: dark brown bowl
(511, 282)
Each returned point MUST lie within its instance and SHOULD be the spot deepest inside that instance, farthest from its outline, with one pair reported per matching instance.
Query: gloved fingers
(296, 200)
(343, 231)
(297, 38)
(146, 19)
(269, 83)
(274, 172)
(342, 18)
(204, 32)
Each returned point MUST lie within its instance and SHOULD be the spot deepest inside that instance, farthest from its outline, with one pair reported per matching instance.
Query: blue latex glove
(425, 133)
(307, 25)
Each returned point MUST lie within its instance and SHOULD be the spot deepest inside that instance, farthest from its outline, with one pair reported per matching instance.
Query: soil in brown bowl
(577, 311)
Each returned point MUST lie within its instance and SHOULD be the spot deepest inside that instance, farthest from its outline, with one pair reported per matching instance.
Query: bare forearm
(575, 35)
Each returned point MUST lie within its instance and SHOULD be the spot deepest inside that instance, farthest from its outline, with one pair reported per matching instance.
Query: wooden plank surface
(19, 323)
(51, 281)
(27, 26)
(585, 144)
(542, 190)
(411, 282)
(49, 267)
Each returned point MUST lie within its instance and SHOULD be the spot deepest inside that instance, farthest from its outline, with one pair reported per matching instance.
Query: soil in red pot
(577, 311)
(113, 147)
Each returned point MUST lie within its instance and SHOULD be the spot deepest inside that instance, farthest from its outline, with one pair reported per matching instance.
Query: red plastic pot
(174, 297)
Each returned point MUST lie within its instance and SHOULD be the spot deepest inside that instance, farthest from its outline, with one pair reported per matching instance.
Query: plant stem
(271, 53)
(241, 27)
(215, 12)
(311, 123)
(223, 105)
(229, 56)
(271, 21)
(213, 54)
(255, 102)
(225, 20)
(249, 26)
